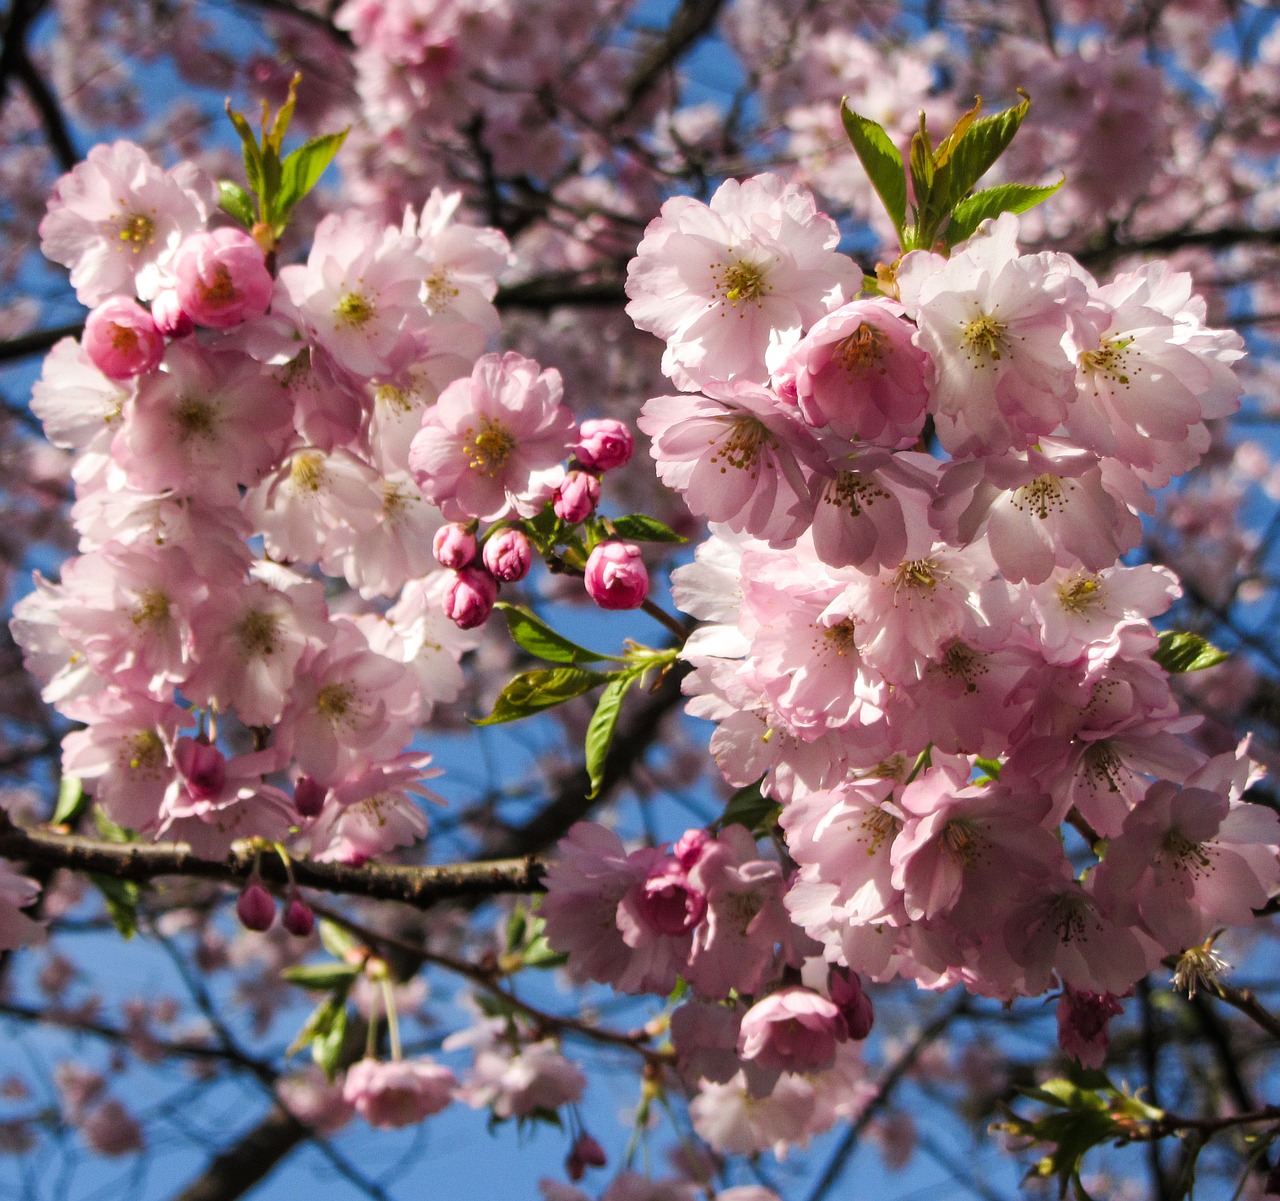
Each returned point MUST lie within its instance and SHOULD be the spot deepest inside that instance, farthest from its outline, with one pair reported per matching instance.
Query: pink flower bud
(604, 444)
(469, 599)
(454, 546)
(577, 496)
(616, 577)
(202, 766)
(222, 278)
(309, 796)
(299, 918)
(855, 1006)
(586, 1153)
(692, 846)
(791, 1030)
(256, 907)
(508, 554)
(170, 317)
(121, 339)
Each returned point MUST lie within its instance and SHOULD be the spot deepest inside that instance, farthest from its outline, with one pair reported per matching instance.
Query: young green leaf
(749, 807)
(975, 153)
(1181, 651)
(327, 1046)
(600, 731)
(323, 977)
(881, 161)
(302, 169)
(991, 202)
(252, 152)
(337, 941)
(236, 202)
(534, 691)
(72, 799)
(636, 527)
(121, 899)
(534, 635)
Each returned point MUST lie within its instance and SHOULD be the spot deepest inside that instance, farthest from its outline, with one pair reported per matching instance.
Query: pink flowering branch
(420, 886)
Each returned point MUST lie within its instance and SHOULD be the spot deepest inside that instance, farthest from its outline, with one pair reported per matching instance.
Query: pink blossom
(537, 1077)
(1082, 1025)
(576, 496)
(487, 445)
(616, 577)
(604, 444)
(792, 1030)
(222, 278)
(508, 554)
(374, 810)
(121, 339)
(470, 598)
(454, 545)
(857, 372)
(388, 1095)
(116, 220)
(723, 284)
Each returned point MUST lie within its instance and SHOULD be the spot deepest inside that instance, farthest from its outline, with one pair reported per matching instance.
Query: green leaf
(322, 977)
(539, 953)
(337, 940)
(600, 731)
(72, 799)
(534, 691)
(881, 161)
(320, 1021)
(121, 898)
(252, 152)
(273, 138)
(989, 766)
(636, 527)
(327, 1047)
(975, 153)
(516, 925)
(302, 169)
(922, 182)
(235, 201)
(1181, 651)
(751, 808)
(991, 202)
(531, 632)
(108, 830)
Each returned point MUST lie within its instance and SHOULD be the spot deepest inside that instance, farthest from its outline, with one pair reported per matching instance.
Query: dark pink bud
(454, 546)
(691, 847)
(508, 554)
(202, 767)
(586, 1153)
(256, 907)
(299, 919)
(309, 796)
(855, 1006)
(616, 577)
(470, 598)
(577, 496)
(170, 317)
(222, 278)
(121, 339)
(667, 902)
(604, 444)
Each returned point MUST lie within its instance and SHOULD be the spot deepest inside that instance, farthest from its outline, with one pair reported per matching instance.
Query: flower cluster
(936, 662)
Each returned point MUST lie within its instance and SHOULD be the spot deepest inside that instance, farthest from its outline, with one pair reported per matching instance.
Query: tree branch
(418, 886)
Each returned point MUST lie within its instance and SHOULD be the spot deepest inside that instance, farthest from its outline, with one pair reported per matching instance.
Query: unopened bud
(586, 1153)
(616, 577)
(256, 907)
(309, 796)
(576, 497)
(454, 546)
(299, 918)
(508, 554)
(604, 444)
(470, 598)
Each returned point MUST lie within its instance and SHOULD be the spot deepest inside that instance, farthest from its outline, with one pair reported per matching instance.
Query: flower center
(919, 575)
(1045, 494)
(335, 702)
(257, 632)
(852, 491)
(143, 752)
(879, 824)
(1190, 856)
(963, 663)
(195, 418)
(488, 450)
(984, 337)
(439, 289)
(306, 473)
(861, 349)
(742, 282)
(152, 608)
(1109, 359)
(354, 310)
(124, 339)
(136, 232)
(393, 397)
(219, 290)
(395, 500)
(740, 448)
(1079, 593)
(841, 637)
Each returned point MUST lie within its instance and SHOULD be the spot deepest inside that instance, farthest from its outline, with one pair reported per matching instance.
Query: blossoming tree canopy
(892, 534)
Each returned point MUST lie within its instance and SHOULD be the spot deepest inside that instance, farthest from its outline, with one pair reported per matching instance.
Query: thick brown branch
(37, 341)
(420, 886)
(248, 1160)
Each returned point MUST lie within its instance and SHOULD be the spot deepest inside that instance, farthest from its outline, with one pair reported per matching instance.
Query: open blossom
(222, 278)
(537, 1077)
(117, 219)
(488, 446)
(121, 339)
(725, 283)
(388, 1095)
(735, 456)
(792, 1030)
